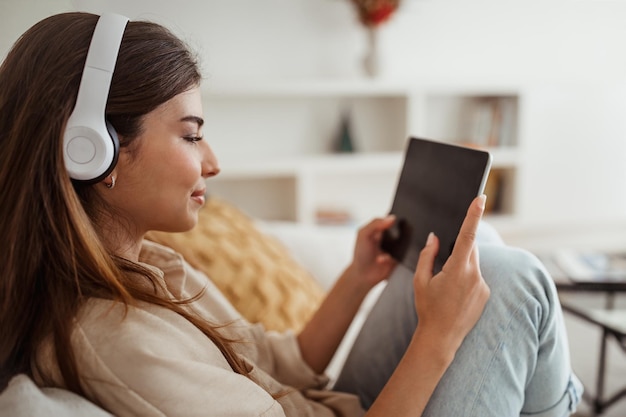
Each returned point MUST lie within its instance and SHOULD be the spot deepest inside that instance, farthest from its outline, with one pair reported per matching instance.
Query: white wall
(569, 56)
(18, 15)
(444, 39)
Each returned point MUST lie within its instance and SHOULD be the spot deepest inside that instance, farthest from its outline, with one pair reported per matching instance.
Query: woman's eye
(192, 138)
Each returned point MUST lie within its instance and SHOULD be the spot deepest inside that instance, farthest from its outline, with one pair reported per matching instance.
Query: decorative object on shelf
(344, 142)
(371, 60)
(372, 14)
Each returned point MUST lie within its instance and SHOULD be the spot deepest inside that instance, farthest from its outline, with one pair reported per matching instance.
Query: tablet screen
(436, 186)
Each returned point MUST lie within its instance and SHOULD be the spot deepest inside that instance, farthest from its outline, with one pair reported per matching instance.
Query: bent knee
(507, 268)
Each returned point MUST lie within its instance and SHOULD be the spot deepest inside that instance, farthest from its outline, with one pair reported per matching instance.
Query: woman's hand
(450, 303)
(370, 265)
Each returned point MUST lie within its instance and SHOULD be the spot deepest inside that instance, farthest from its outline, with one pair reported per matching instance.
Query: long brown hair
(52, 259)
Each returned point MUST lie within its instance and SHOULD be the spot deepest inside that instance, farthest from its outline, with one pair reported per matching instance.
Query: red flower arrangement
(375, 12)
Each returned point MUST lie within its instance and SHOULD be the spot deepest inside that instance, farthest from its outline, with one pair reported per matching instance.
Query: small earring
(110, 184)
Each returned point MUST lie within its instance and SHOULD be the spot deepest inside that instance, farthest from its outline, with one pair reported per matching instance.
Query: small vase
(371, 60)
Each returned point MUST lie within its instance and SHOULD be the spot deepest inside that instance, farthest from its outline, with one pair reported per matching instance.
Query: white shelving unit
(276, 142)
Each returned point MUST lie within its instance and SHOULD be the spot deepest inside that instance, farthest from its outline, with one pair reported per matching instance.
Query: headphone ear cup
(116, 148)
(90, 154)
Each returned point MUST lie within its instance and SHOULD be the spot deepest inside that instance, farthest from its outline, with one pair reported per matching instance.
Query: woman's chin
(181, 226)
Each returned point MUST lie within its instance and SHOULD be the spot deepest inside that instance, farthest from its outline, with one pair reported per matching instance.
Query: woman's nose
(210, 164)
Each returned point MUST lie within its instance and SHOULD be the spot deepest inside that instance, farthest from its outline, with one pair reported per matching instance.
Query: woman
(88, 305)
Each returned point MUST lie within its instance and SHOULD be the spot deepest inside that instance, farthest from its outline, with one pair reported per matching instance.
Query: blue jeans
(514, 362)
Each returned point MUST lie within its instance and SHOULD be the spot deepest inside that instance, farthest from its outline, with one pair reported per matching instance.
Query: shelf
(276, 141)
(338, 164)
(378, 87)
(310, 88)
(505, 157)
(325, 164)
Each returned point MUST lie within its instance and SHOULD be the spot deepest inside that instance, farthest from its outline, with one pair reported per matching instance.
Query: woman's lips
(198, 196)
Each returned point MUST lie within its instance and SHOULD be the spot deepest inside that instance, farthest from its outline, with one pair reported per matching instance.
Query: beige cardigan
(153, 362)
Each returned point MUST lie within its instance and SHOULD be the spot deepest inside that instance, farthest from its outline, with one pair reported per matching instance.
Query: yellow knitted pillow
(254, 271)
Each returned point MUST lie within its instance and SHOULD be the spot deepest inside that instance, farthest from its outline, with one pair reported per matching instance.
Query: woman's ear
(109, 180)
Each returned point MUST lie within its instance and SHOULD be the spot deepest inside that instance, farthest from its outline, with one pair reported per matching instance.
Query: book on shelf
(493, 121)
(494, 189)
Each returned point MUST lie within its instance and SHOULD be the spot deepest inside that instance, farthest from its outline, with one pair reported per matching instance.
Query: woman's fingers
(373, 231)
(453, 300)
(464, 245)
(426, 261)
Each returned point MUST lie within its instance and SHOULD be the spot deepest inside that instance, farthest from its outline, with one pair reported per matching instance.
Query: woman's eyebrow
(194, 119)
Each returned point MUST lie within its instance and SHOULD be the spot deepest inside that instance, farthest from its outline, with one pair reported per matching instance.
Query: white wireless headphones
(90, 144)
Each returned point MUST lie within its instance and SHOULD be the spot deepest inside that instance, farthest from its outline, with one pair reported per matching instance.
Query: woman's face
(160, 178)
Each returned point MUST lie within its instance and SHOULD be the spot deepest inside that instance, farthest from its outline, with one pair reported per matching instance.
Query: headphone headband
(90, 147)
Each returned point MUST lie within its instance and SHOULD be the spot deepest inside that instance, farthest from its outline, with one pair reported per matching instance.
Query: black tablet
(436, 186)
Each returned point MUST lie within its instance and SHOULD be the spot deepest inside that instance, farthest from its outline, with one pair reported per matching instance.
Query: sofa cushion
(22, 398)
(254, 270)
